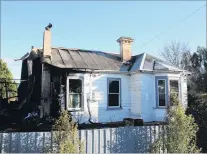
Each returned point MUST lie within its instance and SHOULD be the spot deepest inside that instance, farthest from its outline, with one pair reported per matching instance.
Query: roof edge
(143, 60)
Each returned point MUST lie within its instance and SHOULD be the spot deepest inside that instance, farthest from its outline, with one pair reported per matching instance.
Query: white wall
(98, 109)
(184, 92)
(149, 111)
(138, 97)
(143, 97)
(148, 97)
(135, 93)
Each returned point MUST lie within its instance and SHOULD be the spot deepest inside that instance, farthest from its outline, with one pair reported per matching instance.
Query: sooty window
(75, 93)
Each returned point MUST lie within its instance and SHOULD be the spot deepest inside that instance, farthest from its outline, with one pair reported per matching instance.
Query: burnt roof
(87, 59)
(98, 60)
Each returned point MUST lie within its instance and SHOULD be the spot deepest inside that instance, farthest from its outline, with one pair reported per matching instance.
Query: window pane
(74, 100)
(75, 86)
(161, 86)
(113, 99)
(113, 86)
(174, 86)
(161, 99)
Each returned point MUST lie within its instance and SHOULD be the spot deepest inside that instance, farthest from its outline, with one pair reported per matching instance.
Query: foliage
(66, 136)
(6, 76)
(179, 55)
(198, 108)
(180, 136)
(173, 99)
(196, 63)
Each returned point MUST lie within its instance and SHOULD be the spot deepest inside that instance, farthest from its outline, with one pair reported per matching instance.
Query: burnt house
(97, 85)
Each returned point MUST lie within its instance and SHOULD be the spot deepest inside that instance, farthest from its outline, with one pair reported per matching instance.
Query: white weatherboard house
(100, 86)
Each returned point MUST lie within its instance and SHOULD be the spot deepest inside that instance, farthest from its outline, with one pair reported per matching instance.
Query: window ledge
(75, 110)
(160, 107)
(116, 108)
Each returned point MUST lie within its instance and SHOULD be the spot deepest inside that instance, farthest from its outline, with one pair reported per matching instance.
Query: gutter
(120, 72)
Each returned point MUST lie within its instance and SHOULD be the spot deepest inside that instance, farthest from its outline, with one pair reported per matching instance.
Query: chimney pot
(125, 47)
(48, 27)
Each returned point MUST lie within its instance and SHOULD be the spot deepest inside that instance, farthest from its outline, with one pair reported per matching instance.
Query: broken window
(75, 94)
(113, 93)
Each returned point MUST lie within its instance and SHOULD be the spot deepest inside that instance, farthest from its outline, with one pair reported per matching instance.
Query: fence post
(10, 142)
(43, 144)
(101, 140)
(18, 141)
(35, 142)
(27, 138)
(163, 136)
(51, 146)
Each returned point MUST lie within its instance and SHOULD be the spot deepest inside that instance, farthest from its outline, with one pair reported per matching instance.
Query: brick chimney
(47, 42)
(125, 47)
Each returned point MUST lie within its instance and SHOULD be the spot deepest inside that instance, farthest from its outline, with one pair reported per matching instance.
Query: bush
(180, 136)
(198, 108)
(66, 136)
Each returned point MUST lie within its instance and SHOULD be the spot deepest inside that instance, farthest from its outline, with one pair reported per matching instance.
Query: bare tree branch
(173, 52)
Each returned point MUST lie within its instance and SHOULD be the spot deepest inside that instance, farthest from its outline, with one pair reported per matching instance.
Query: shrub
(180, 136)
(66, 136)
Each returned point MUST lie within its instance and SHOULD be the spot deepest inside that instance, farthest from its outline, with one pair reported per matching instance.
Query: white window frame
(82, 97)
(114, 79)
(158, 93)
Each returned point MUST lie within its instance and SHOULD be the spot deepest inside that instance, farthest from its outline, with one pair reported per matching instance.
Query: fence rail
(108, 140)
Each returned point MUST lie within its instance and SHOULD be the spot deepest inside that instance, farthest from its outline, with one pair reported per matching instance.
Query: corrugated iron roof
(97, 60)
(152, 63)
(85, 59)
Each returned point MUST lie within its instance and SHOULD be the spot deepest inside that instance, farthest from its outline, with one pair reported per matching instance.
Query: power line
(185, 18)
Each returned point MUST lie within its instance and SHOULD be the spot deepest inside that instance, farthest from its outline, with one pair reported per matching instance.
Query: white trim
(111, 79)
(142, 63)
(73, 76)
(179, 87)
(162, 93)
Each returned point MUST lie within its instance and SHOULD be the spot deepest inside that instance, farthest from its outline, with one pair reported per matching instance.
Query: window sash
(119, 94)
(174, 92)
(75, 96)
(161, 93)
(177, 88)
(72, 93)
(112, 90)
(161, 100)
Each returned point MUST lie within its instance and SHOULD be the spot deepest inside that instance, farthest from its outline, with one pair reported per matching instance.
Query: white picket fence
(131, 139)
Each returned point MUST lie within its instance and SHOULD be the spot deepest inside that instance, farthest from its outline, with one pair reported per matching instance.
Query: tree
(198, 109)
(66, 136)
(180, 136)
(196, 63)
(173, 52)
(6, 84)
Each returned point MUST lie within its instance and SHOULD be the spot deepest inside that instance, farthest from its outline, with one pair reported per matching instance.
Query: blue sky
(97, 25)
